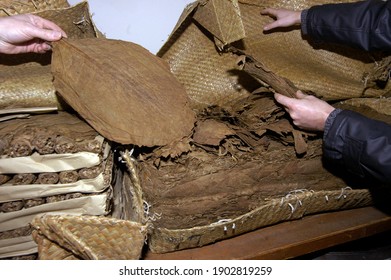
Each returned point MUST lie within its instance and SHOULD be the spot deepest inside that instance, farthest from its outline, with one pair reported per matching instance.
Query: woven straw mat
(25, 80)
(212, 77)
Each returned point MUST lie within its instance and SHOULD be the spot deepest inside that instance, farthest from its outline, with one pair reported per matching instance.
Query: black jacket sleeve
(361, 144)
(365, 24)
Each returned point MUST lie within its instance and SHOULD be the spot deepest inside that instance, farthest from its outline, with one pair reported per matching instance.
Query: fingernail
(47, 47)
(56, 34)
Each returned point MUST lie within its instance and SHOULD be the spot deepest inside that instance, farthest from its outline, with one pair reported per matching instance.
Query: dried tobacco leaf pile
(241, 171)
(246, 166)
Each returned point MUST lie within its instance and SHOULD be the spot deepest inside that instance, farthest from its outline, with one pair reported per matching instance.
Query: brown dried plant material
(13, 7)
(29, 203)
(24, 231)
(11, 206)
(90, 173)
(22, 179)
(65, 145)
(211, 132)
(44, 142)
(4, 178)
(4, 143)
(21, 145)
(126, 93)
(47, 178)
(60, 132)
(264, 75)
(67, 177)
(92, 146)
(25, 79)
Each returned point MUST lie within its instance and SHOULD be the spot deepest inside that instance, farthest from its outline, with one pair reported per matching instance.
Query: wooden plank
(291, 239)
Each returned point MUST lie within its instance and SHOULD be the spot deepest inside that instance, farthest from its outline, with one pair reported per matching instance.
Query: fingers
(45, 34)
(282, 17)
(300, 95)
(49, 25)
(283, 100)
(273, 13)
(271, 25)
(41, 28)
(269, 11)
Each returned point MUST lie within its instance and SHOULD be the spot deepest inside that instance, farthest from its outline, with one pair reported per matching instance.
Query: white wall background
(145, 22)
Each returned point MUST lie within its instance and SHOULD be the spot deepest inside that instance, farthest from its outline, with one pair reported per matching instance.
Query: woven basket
(89, 238)
(332, 72)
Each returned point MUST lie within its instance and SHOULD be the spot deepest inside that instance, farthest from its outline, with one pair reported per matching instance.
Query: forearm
(361, 144)
(364, 24)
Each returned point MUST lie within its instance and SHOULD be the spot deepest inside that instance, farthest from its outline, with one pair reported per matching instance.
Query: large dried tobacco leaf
(122, 90)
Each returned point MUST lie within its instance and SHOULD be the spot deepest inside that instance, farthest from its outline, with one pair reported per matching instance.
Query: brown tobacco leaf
(211, 132)
(122, 90)
(264, 75)
(284, 127)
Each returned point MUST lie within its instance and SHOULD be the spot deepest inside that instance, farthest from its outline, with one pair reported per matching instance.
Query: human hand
(27, 33)
(283, 18)
(307, 111)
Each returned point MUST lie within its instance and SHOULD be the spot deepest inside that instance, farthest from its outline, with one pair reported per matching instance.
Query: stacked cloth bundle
(49, 163)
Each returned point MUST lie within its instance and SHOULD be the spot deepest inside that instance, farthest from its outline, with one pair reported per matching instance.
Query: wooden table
(291, 239)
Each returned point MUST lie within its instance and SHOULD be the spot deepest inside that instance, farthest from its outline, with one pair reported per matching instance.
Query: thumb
(282, 99)
(271, 25)
(300, 95)
(45, 34)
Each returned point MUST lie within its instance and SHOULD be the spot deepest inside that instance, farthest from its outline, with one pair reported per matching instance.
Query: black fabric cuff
(304, 28)
(329, 122)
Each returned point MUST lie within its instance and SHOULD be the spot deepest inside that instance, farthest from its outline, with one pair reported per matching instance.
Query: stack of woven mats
(242, 165)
